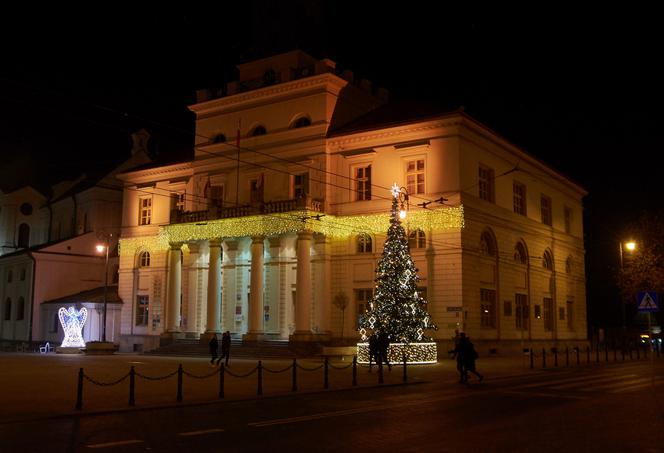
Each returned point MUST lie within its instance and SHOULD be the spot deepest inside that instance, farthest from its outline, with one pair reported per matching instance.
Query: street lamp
(101, 248)
(402, 195)
(630, 246)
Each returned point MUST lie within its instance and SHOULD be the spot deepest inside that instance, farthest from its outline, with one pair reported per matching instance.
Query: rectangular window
(561, 313)
(488, 308)
(145, 211)
(547, 216)
(142, 309)
(507, 311)
(362, 302)
(548, 314)
(216, 197)
(256, 189)
(178, 201)
(363, 183)
(538, 312)
(487, 187)
(570, 315)
(519, 191)
(568, 220)
(415, 176)
(521, 311)
(300, 185)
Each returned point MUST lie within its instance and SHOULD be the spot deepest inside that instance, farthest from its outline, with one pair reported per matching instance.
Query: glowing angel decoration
(72, 323)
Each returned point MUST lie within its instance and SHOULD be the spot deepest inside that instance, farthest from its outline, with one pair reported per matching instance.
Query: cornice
(360, 139)
(150, 173)
(324, 80)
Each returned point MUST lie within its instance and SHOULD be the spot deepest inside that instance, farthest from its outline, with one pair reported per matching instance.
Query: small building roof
(95, 295)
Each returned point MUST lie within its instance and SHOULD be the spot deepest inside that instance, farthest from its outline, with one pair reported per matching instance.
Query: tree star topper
(395, 190)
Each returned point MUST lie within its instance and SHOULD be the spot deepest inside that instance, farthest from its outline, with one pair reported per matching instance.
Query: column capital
(257, 239)
(275, 241)
(320, 238)
(175, 245)
(231, 246)
(214, 242)
(305, 235)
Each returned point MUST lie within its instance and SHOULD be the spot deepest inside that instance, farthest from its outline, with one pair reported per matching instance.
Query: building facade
(275, 228)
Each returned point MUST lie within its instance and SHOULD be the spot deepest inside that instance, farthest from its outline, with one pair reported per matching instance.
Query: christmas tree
(397, 309)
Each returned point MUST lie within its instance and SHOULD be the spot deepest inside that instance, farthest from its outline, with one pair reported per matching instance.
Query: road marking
(202, 431)
(304, 418)
(115, 444)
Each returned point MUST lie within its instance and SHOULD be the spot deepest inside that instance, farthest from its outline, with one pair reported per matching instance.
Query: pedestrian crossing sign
(647, 302)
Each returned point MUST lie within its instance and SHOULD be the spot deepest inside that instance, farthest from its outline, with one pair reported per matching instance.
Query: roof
(95, 295)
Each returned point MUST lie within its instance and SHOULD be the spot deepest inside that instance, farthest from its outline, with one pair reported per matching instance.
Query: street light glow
(631, 246)
(101, 248)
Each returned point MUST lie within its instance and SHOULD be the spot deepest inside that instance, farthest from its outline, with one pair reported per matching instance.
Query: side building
(274, 229)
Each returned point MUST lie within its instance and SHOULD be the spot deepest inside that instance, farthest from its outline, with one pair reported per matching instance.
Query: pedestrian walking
(469, 357)
(374, 350)
(383, 347)
(214, 347)
(459, 352)
(225, 347)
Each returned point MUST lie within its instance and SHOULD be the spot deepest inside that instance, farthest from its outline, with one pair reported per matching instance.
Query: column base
(303, 336)
(250, 337)
(207, 336)
(170, 337)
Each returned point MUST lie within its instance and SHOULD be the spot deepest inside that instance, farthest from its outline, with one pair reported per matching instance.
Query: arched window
(364, 243)
(487, 245)
(547, 260)
(144, 259)
(219, 138)
(8, 309)
(20, 309)
(568, 265)
(417, 240)
(520, 254)
(24, 235)
(258, 130)
(302, 121)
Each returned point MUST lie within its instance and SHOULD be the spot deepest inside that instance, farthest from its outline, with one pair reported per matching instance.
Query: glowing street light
(402, 194)
(101, 248)
(630, 246)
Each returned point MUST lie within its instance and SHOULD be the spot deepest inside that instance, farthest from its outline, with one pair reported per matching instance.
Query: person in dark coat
(383, 346)
(374, 350)
(470, 355)
(225, 347)
(459, 352)
(214, 346)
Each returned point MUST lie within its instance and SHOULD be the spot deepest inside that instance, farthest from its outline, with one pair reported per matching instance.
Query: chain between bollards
(79, 391)
(132, 386)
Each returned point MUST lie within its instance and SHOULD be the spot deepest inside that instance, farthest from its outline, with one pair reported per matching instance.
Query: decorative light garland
(72, 323)
(416, 353)
(290, 222)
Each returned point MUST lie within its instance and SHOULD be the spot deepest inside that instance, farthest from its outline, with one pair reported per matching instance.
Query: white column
(214, 288)
(230, 294)
(255, 328)
(174, 287)
(303, 289)
(322, 279)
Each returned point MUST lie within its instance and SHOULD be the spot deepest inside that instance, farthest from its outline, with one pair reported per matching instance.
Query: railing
(270, 207)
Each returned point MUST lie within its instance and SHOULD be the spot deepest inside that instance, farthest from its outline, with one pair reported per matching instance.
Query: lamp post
(402, 194)
(104, 248)
(630, 246)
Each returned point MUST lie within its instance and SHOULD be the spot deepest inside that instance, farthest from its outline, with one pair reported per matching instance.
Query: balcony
(270, 207)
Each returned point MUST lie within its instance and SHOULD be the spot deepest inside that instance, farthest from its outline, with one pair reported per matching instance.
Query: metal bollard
(354, 370)
(405, 368)
(566, 355)
(532, 361)
(294, 389)
(597, 354)
(221, 380)
(79, 391)
(179, 395)
(259, 391)
(326, 384)
(132, 386)
(543, 358)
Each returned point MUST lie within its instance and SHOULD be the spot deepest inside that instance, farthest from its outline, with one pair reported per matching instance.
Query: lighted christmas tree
(397, 309)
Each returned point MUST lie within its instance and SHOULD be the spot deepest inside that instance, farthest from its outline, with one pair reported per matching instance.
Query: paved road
(614, 407)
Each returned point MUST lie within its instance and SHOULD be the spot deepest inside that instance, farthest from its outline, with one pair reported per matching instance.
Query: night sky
(580, 90)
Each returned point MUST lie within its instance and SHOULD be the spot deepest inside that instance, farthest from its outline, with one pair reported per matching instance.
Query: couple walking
(225, 348)
(465, 354)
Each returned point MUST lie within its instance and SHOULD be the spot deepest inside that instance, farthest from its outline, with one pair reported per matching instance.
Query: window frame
(417, 239)
(521, 311)
(416, 172)
(546, 210)
(487, 308)
(519, 198)
(487, 184)
(548, 314)
(145, 210)
(364, 241)
(362, 182)
(142, 314)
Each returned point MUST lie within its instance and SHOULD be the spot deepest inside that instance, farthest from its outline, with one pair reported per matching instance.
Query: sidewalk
(44, 385)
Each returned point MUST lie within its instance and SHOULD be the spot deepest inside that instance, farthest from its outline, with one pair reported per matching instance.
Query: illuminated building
(279, 238)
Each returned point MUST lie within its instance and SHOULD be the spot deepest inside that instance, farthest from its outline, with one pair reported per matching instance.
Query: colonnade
(304, 294)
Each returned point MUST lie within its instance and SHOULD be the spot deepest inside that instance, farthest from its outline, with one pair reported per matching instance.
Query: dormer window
(302, 122)
(258, 130)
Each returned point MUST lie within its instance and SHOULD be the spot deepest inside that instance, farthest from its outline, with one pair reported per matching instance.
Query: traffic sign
(647, 302)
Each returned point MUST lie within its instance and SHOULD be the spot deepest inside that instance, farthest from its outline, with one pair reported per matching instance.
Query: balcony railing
(270, 207)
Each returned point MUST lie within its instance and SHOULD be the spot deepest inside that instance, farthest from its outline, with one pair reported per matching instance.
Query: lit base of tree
(416, 353)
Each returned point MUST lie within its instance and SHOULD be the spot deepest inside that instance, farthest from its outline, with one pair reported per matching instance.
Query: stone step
(194, 348)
